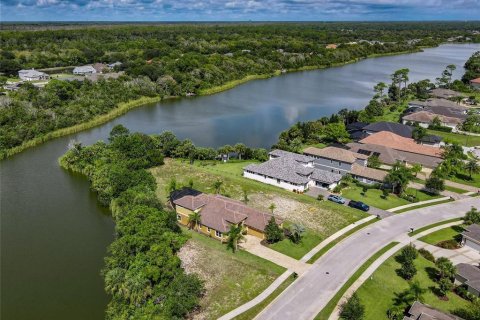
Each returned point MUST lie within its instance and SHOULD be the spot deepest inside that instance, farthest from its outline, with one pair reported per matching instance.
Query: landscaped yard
(378, 292)
(446, 234)
(309, 240)
(374, 197)
(464, 140)
(231, 279)
(321, 219)
(465, 179)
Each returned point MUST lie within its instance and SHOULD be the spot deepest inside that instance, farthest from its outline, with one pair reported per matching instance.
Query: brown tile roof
(391, 140)
(427, 117)
(335, 153)
(218, 212)
(477, 80)
(370, 173)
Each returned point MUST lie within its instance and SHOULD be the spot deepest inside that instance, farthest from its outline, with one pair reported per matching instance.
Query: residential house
(420, 311)
(219, 213)
(468, 276)
(391, 148)
(115, 64)
(100, 67)
(394, 127)
(84, 70)
(98, 76)
(435, 103)
(475, 83)
(331, 46)
(32, 75)
(291, 171)
(441, 93)
(471, 237)
(355, 130)
(425, 119)
(344, 162)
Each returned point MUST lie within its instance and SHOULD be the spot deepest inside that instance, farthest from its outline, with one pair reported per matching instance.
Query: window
(278, 180)
(208, 229)
(339, 164)
(218, 234)
(331, 161)
(179, 217)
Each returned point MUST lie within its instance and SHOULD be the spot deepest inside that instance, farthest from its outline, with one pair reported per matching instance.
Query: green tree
(217, 185)
(408, 253)
(416, 291)
(407, 270)
(472, 216)
(336, 132)
(472, 167)
(419, 133)
(273, 232)
(435, 184)
(194, 220)
(235, 236)
(399, 177)
(445, 268)
(445, 285)
(240, 149)
(296, 232)
(352, 309)
(374, 161)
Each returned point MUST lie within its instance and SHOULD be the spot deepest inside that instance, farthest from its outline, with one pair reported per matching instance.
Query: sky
(238, 10)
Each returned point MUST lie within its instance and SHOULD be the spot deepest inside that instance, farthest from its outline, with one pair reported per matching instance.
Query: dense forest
(179, 59)
(142, 272)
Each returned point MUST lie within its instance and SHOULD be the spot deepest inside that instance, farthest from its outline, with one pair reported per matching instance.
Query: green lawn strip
(253, 312)
(423, 206)
(315, 145)
(330, 245)
(327, 311)
(449, 233)
(232, 279)
(374, 197)
(433, 225)
(456, 190)
(462, 139)
(465, 179)
(309, 241)
(378, 292)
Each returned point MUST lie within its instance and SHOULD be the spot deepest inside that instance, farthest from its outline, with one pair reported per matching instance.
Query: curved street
(309, 294)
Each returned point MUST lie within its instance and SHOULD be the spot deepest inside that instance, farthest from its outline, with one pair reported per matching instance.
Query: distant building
(425, 119)
(84, 70)
(32, 75)
(444, 93)
(100, 67)
(420, 311)
(331, 46)
(393, 127)
(115, 64)
(475, 83)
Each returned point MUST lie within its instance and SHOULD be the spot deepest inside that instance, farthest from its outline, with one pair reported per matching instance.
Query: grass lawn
(449, 233)
(309, 240)
(456, 190)
(253, 312)
(321, 217)
(327, 311)
(423, 206)
(316, 145)
(231, 279)
(374, 197)
(378, 292)
(465, 179)
(433, 225)
(464, 140)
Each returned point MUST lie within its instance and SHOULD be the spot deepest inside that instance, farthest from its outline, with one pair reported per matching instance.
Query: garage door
(472, 245)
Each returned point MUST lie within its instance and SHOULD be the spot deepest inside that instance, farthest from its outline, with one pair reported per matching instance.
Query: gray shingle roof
(472, 232)
(397, 128)
(326, 176)
(419, 311)
(295, 156)
(471, 273)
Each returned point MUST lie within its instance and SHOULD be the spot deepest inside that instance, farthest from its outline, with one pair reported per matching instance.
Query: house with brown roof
(218, 214)
(420, 311)
(475, 83)
(425, 119)
(391, 148)
(343, 161)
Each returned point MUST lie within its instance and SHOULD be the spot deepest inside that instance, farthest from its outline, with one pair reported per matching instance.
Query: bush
(408, 253)
(407, 270)
(462, 291)
(440, 128)
(448, 244)
(427, 255)
(320, 197)
(352, 309)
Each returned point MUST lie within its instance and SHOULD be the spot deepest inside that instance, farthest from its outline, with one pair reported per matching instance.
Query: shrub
(408, 270)
(320, 197)
(408, 253)
(448, 244)
(440, 128)
(352, 309)
(427, 255)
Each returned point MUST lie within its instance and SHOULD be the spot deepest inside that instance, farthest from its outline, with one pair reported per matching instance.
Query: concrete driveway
(309, 294)
(314, 192)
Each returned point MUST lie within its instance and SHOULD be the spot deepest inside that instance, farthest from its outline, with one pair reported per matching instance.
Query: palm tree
(472, 167)
(296, 232)
(217, 185)
(194, 219)
(272, 207)
(235, 235)
(416, 291)
(446, 269)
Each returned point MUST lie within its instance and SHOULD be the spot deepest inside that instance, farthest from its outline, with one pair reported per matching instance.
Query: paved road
(311, 292)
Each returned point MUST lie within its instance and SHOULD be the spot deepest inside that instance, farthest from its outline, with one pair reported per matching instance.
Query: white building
(32, 75)
(83, 70)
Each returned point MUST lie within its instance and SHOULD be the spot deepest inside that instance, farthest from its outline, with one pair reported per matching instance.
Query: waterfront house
(468, 276)
(291, 171)
(218, 214)
(344, 162)
(32, 75)
(425, 119)
(394, 127)
(475, 83)
(471, 237)
(84, 70)
(391, 148)
(441, 93)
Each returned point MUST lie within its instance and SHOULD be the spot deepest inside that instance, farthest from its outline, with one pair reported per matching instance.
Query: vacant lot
(231, 279)
(324, 218)
(378, 292)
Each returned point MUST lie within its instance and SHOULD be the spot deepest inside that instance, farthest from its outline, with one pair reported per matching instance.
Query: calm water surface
(53, 232)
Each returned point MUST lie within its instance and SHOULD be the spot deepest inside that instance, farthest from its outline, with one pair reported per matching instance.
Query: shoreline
(127, 106)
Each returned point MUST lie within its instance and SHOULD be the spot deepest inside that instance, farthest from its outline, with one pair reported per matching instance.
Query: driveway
(462, 255)
(309, 294)
(314, 192)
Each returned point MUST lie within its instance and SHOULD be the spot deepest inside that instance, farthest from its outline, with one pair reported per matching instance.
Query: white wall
(273, 182)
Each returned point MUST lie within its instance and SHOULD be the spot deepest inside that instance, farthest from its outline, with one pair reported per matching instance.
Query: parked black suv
(358, 205)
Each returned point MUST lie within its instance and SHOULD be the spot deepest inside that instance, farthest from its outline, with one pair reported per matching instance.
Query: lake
(54, 234)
